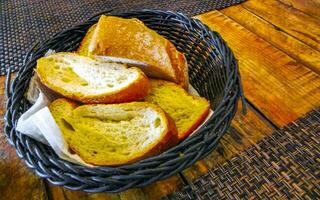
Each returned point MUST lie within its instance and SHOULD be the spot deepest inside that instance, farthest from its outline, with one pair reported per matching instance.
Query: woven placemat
(24, 23)
(285, 165)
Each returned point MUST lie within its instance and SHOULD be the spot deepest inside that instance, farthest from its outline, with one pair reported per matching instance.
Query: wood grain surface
(277, 43)
(155, 191)
(272, 34)
(309, 7)
(298, 24)
(16, 180)
(277, 85)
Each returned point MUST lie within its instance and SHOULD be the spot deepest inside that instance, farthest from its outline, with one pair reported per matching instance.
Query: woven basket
(213, 73)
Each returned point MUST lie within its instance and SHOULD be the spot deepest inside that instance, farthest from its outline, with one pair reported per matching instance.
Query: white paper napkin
(39, 123)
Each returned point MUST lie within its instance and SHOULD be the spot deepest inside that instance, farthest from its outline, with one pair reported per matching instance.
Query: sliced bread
(61, 109)
(90, 81)
(114, 134)
(186, 110)
(84, 45)
(131, 39)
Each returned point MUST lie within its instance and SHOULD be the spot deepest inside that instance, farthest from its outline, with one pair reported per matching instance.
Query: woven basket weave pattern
(284, 165)
(213, 72)
(23, 23)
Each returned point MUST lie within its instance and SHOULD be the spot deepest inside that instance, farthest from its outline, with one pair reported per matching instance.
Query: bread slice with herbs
(132, 40)
(187, 111)
(91, 81)
(114, 134)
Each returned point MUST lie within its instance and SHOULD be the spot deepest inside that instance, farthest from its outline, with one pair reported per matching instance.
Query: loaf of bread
(131, 39)
(114, 134)
(186, 110)
(90, 81)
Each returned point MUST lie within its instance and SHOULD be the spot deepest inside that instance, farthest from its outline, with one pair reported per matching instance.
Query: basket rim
(12, 89)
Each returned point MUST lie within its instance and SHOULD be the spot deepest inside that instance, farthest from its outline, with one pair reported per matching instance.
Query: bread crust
(179, 65)
(137, 90)
(172, 65)
(171, 139)
(168, 139)
(185, 134)
(83, 47)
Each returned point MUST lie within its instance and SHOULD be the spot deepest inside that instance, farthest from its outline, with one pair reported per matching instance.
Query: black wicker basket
(213, 72)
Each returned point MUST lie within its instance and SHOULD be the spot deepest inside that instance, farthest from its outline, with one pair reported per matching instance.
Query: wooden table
(277, 43)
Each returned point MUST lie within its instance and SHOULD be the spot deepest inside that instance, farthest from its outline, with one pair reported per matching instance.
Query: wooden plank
(290, 20)
(60, 193)
(310, 7)
(283, 41)
(154, 191)
(17, 181)
(160, 189)
(245, 131)
(280, 87)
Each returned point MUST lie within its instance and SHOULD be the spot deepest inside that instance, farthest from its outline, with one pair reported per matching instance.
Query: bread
(114, 134)
(90, 81)
(84, 45)
(186, 110)
(131, 39)
(61, 109)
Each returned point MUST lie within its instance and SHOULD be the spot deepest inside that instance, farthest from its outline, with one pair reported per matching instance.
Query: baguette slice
(114, 134)
(90, 81)
(186, 110)
(84, 45)
(131, 39)
(61, 109)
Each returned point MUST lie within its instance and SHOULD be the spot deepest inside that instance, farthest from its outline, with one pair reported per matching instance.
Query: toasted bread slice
(114, 134)
(90, 81)
(131, 39)
(186, 110)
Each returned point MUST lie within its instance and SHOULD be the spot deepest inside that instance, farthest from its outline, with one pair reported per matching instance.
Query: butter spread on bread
(90, 81)
(131, 39)
(114, 134)
(186, 110)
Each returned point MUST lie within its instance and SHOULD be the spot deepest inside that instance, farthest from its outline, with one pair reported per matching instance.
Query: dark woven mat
(24, 22)
(285, 165)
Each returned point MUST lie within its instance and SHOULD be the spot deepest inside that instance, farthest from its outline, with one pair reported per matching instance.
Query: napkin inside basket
(38, 123)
